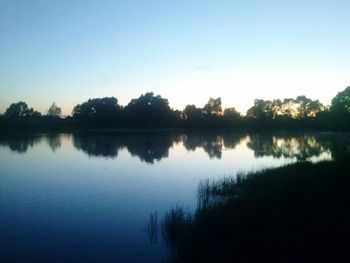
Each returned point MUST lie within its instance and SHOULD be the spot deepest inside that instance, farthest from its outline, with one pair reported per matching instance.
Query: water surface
(88, 197)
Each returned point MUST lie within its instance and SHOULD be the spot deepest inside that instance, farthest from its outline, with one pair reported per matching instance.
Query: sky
(187, 51)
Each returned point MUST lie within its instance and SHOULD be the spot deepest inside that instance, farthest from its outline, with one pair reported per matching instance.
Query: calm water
(88, 197)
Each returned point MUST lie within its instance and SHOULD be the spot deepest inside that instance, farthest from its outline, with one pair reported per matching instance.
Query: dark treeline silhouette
(296, 213)
(151, 112)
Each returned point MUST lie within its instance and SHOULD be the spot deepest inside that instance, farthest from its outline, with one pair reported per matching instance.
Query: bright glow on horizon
(67, 52)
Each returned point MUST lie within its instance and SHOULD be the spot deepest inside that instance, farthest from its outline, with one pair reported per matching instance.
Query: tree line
(153, 111)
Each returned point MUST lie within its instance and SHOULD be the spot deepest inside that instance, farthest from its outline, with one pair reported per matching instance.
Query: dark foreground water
(92, 197)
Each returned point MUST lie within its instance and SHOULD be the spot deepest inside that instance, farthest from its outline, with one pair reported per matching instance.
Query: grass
(296, 213)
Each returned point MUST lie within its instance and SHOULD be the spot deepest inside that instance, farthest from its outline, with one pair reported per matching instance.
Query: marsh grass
(296, 213)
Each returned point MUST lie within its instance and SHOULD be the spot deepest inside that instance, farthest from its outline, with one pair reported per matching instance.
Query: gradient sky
(186, 51)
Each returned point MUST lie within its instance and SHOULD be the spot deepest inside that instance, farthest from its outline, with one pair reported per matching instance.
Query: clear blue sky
(187, 51)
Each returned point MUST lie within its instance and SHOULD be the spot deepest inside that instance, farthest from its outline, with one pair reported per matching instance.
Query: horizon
(66, 52)
(243, 113)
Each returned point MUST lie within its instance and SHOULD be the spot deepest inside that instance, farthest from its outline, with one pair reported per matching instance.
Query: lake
(89, 196)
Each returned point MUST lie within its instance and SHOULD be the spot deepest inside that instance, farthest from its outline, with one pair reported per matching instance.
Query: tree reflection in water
(154, 146)
(148, 147)
(211, 143)
(20, 143)
(151, 148)
(54, 140)
(301, 147)
(98, 144)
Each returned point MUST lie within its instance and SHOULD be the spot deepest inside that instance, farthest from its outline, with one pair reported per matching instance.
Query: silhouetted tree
(192, 116)
(54, 110)
(213, 107)
(232, 113)
(298, 113)
(303, 107)
(341, 103)
(314, 108)
(20, 110)
(149, 111)
(261, 110)
(98, 111)
(232, 118)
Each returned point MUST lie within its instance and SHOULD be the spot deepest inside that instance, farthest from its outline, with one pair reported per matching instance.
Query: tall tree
(232, 114)
(341, 103)
(20, 110)
(191, 112)
(148, 103)
(149, 110)
(54, 110)
(100, 108)
(213, 107)
(298, 108)
(261, 110)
